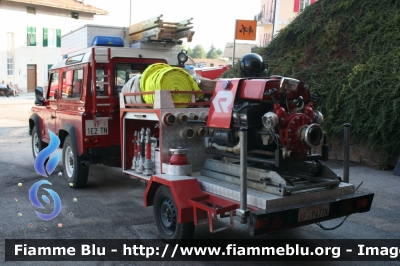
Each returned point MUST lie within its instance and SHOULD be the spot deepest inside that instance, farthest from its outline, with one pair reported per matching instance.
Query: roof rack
(157, 30)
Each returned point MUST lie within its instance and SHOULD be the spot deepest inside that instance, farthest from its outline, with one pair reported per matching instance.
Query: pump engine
(276, 112)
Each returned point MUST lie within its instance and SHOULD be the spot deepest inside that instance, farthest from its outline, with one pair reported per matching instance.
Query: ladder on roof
(155, 29)
(100, 55)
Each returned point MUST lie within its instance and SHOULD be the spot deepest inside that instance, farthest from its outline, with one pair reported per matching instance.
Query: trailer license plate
(313, 212)
(98, 127)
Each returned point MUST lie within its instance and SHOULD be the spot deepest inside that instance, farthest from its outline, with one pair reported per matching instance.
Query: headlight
(182, 57)
(289, 84)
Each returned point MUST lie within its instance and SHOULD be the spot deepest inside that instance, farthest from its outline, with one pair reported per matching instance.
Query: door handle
(53, 116)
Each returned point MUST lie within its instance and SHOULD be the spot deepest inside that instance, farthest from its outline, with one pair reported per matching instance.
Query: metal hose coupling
(182, 118)
(186, 133)
(168, 119)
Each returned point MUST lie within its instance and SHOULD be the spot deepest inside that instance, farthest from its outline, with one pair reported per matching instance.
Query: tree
(355, 73)
(219, 53)
(214, 53)
(198, 52)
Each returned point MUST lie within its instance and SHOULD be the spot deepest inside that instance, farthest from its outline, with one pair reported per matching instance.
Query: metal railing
(264, 18)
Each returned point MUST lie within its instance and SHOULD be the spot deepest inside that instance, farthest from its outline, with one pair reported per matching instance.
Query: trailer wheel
(75, 173)
(37, 144)
(166, 215)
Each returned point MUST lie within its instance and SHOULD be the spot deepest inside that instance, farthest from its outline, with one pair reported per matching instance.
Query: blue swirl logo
(45, 169)
(45, 153)
(35, 201)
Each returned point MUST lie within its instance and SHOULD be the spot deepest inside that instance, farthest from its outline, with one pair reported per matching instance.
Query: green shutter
(34, 35)
(28, 36)
(45, 37)
(48, 68)
(58, 31)
(31, 36)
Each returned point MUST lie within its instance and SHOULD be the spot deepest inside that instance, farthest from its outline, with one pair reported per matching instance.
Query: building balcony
(264, 19)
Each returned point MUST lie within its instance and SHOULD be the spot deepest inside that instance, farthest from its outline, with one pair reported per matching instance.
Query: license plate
(98, 127)
(313, 212)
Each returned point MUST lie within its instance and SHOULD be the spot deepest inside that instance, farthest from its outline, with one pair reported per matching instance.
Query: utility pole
(130, 11)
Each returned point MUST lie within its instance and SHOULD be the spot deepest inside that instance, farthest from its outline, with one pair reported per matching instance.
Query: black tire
(37, 144)
(75, 173)
(166, 215)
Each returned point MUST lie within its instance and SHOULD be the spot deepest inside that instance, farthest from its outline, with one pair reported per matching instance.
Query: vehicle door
(49, 114)
(70, 105)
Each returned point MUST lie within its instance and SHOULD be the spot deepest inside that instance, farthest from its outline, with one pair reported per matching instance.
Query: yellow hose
(165, 77)
(150, 70)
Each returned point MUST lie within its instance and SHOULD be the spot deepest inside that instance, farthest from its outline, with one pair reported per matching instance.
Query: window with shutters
(31, 36)
(304, 4)
(300, 5)
(51, 37)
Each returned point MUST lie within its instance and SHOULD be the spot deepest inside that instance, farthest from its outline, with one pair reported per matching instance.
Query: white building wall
(15, 19)
(118, 13)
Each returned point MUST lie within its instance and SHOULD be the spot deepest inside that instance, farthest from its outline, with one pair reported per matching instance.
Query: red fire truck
(252, 147)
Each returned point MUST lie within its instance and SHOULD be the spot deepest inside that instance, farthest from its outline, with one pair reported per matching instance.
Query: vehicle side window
(77, 84)
(53, 86)
(100, 79)
(66, 83)
(100, 74)
(72, 84)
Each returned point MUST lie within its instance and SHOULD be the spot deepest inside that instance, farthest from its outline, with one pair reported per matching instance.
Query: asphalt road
(111, 206)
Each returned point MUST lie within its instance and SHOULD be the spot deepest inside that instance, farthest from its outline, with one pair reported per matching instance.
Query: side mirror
(39, 102)
(39, 93)
(39, 96)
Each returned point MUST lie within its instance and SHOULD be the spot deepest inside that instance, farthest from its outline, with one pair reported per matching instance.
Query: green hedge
(349, 52)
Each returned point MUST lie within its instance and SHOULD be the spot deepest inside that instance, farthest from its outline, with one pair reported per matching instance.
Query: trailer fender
(182, 189)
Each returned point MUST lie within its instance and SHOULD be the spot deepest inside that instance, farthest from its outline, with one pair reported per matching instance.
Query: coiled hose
(149, 71)
(133, 85)
(164, 77)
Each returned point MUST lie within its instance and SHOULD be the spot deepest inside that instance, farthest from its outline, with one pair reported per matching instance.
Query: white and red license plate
(98, 127)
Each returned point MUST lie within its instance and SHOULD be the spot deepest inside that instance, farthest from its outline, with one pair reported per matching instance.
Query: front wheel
(75, 173)
(37, 144)
(166, 215)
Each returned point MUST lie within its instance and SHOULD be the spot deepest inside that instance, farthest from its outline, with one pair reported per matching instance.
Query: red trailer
(252, 147)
